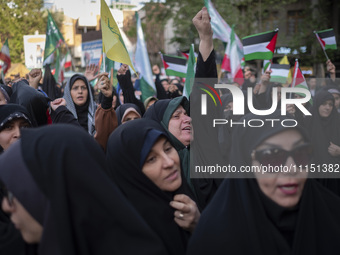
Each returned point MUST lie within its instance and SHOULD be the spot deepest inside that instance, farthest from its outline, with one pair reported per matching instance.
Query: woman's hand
(334, 150)
(187, 213)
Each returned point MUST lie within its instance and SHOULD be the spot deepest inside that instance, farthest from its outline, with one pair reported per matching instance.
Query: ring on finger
(181, 215)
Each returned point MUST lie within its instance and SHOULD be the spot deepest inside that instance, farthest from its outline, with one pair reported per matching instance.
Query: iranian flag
(232, 59)
(326, 39)
(5, 57)
(260, 46)
(279, 73)
(174, 65)
(298, 78)
(67, 60)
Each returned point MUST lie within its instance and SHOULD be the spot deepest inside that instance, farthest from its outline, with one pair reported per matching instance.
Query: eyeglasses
(302, 155)
(6, 193)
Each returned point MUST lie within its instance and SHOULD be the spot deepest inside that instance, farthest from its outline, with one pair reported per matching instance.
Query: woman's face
(162, 166)
(326, 108)
(130, 116)
(12, 132)
(284, 188)
(79, 92)
(180, 125)
(2, 99)
(30, 229)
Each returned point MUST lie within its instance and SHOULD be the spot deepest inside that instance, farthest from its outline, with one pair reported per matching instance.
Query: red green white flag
(298, 78)
(326, 39)
(260, 46)
(5, 57)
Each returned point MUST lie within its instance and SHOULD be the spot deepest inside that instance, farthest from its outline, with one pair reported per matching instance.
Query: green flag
(189, 80)
(53, 39)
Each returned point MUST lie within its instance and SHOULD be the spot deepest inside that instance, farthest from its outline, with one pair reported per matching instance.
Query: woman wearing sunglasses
(65, 203)
(272, 212)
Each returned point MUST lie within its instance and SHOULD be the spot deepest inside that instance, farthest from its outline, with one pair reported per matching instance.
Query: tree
(19, 18)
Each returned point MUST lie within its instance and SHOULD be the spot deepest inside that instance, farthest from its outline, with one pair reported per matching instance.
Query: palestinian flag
(279, 73)
(4, 56)
(298, 78)
(174, 66)
(260, 46)
(326, 39)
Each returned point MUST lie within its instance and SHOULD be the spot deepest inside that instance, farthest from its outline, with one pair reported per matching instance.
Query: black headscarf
(161, 111)
(242, 220)
(34, 101)
(120, 112)
(81, 210)
(49, 85)
(127, 149)
(85, 113)
(322, 131)
(6, 91)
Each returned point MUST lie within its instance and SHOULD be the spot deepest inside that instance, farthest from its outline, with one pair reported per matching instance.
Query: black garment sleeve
(161, 93)
(106, 102)
(63, 115)
(128, 91)
(208, 68)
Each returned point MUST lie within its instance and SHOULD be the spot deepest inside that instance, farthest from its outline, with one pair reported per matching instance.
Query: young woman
(273, 212)
(79, 101)
(146, 167)
(13, 118)
(65, 202)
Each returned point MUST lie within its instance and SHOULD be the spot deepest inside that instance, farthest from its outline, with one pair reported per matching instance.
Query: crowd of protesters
(96, 171)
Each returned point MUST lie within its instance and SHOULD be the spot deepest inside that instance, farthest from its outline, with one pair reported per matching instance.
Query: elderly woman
(146, 167)
(65, 203)
(269, 212)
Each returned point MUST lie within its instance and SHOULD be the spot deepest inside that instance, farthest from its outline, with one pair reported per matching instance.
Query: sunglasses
(302, 155)
(6, 193)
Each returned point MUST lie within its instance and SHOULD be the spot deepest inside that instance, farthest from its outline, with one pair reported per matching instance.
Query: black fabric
(34, 101)
(6, 91)
(124, 155)
(322, 131)
(240, 219)
(128, 91)
(86, 213)
(63, 115)
(9, 112)
(49, 85)
(122, 108)
(82, 114)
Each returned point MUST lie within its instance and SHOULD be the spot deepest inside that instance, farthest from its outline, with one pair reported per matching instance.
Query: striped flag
(285, 61)
(326, 39)
(221, 29)
(174, 65)
(260, 46)
(5, 57)
(67, 60)
(226, 59)
(298, 78)
(279, 73)
(190, 75)
(235, 60)
(142, 63)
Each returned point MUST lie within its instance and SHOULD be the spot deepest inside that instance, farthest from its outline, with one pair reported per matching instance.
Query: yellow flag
(113, 44)
(284, 61)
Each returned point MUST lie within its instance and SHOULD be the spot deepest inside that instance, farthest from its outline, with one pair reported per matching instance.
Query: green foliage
(19, 18)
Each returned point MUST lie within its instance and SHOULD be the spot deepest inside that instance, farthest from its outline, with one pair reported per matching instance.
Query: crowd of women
(114, 178)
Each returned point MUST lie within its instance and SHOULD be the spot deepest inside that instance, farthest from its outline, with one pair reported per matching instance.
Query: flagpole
(104, 64)
(324, 51)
